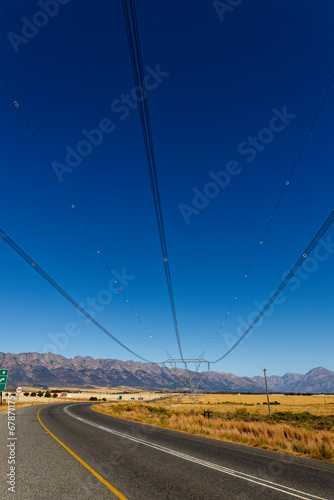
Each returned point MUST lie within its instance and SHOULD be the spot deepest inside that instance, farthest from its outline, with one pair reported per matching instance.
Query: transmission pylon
(189, 380)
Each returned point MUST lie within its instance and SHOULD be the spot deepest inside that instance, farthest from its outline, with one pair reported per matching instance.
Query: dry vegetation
(300, 425)
(316, 404)
(4, 407)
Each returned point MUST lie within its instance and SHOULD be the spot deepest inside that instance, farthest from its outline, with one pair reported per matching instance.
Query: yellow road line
(108, 485)
(222, 446)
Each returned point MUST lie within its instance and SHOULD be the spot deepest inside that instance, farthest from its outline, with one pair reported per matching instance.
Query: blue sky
(216, 85)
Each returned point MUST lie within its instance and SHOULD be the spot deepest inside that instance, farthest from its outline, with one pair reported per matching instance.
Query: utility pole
(265, 378)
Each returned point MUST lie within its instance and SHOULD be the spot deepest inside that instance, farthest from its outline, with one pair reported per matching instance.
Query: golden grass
(315, 404)
(294, 438)
(4, 406)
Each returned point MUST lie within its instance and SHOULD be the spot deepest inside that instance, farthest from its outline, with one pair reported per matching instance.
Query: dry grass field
(84, 395)
(300, 425)
(257, 403)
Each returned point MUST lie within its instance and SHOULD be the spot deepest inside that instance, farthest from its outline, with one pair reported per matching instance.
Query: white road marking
(241, 475)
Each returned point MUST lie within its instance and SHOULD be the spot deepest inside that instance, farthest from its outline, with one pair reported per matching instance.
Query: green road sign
(3, 379)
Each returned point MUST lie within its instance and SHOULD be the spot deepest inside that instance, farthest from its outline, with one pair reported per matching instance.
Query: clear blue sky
(224, 80)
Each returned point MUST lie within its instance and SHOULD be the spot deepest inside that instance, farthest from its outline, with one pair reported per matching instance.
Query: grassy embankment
(298, 432)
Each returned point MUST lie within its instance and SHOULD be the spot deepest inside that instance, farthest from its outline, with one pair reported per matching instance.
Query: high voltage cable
(30, 261)
(72, 205)
(272, 217)
(293, 271)
(138, 74)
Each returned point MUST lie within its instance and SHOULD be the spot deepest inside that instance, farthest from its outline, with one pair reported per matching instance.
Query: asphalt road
(68, 451)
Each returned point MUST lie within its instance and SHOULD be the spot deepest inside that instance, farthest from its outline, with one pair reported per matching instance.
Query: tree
(33, 394)
(26, 394)
(55, 395)
(40, 394)
(47, 394)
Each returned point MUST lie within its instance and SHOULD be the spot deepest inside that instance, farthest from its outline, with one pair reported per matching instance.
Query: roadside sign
(3, 379)
(19, 389)
(3, 376)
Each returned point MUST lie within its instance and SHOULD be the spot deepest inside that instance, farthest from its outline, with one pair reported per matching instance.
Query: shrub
(55, 395)
(104, 399)
(241, 412)
(326, 452)
(47, 394)
(92, 398)
(33, 394)
(40, 394)
(158, 409)
(26, 394)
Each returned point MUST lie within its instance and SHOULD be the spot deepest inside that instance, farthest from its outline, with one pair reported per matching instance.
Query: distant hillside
(53, 369)
(316, 380)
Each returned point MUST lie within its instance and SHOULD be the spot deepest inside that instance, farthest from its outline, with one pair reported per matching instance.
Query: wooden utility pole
(265, 378)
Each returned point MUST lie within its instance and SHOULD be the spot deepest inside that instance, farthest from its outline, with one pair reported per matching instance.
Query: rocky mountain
(53, 369)
(316, 380)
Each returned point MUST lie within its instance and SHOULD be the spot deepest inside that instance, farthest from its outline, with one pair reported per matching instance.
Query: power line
(293, 271)
(44, 275)
(74, 208)
(138, 74)
(287, 182)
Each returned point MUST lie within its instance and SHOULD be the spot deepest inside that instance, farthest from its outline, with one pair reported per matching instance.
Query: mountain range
(34, 369)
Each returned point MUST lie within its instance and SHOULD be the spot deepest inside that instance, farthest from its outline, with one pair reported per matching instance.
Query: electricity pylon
(187, 379)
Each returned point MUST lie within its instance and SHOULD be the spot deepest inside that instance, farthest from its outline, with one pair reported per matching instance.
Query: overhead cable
(293, 271)
(44, 275)
(260, 243)
(76, 212)
(138, 74)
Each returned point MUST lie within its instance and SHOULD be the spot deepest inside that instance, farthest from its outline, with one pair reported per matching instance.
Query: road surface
(68, 451)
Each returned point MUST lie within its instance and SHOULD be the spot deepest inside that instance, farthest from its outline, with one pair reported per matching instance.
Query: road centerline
(96, 474)
(241, 475)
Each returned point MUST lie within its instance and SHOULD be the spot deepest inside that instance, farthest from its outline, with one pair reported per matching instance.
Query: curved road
(68, 451)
